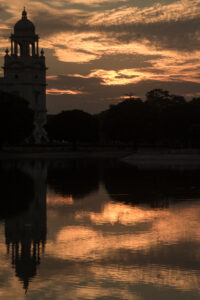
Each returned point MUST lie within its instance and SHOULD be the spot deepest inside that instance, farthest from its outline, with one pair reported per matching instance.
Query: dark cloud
(68, 82)
(4, 14)
(121, 61)
(99, 97)
(52, 23)
(177, 35)
(174, 34)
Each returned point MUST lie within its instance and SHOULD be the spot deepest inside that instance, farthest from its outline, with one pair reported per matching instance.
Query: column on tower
(11, 47)
(37, 48)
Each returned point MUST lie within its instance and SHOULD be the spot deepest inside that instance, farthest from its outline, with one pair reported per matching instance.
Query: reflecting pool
(98, 229)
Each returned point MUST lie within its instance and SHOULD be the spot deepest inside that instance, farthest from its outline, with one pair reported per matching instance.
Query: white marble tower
(25, 72)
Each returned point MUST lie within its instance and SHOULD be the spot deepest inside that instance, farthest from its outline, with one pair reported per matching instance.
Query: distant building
(25, 72)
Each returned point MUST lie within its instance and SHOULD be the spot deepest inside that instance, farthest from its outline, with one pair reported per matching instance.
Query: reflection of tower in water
(26, 233)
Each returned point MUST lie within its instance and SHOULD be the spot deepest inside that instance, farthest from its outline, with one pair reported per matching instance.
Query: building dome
(24, 27)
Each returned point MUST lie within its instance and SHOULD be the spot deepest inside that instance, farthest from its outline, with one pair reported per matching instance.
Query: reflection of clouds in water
(54, 200)
(85, 244)
(165, 227)
(169, 225)
(120, 213)
(12, 288)
(79, 244)
(76, 242)
(158, 275)
(73, 287)
(96, 292)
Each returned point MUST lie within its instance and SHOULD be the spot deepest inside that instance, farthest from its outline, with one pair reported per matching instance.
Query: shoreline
(64, 155)
(164, 160)
(152, 159)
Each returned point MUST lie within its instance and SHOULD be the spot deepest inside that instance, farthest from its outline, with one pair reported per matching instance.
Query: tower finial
(24, 13)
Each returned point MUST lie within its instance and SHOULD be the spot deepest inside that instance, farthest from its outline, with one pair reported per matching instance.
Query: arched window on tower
(17, 49)
(33, 49)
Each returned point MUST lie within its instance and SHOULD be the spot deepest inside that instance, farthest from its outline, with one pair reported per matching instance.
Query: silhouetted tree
(16, 119)
(170, 117)
(157, 95)
(164, 120)
(193, 113)
(195, 101)
(124, 122)
(74, 126)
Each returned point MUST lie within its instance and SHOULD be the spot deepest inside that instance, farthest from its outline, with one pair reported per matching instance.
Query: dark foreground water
(98, 230)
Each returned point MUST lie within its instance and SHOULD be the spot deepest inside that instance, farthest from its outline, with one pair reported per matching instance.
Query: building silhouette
(25, 72)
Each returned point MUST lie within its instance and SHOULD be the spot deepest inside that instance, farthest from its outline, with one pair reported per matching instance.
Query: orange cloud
(63, 92)
(183, 9)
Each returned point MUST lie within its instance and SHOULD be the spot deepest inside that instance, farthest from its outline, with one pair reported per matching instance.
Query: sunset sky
(99, 50)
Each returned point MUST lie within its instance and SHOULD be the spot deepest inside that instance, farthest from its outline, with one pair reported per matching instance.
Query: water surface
(98, 230)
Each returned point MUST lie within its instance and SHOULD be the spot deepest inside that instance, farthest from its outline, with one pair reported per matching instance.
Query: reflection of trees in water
(75, 177)
(123, 182)
(154, 187)
(25, 228)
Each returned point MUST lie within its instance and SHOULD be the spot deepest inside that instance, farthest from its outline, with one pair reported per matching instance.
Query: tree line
(161, 119)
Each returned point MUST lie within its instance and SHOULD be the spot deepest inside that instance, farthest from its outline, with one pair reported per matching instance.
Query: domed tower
(25, 72)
